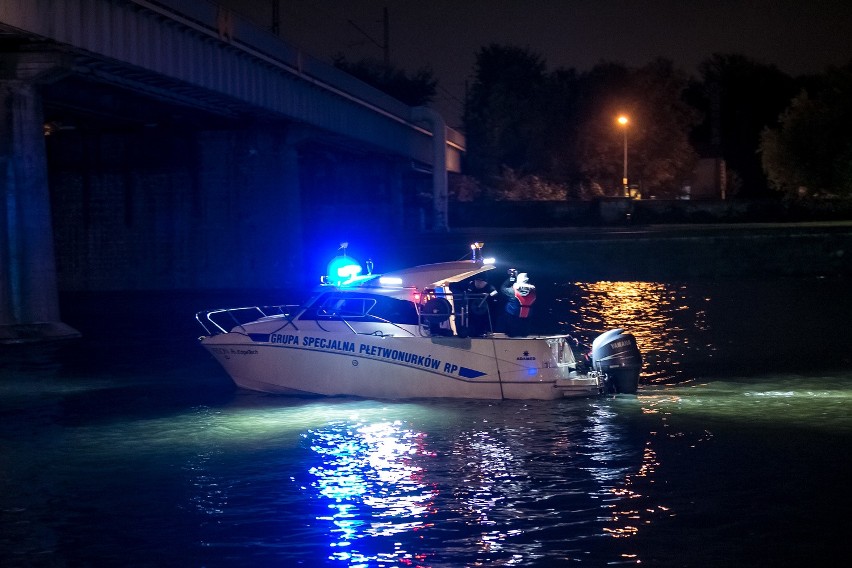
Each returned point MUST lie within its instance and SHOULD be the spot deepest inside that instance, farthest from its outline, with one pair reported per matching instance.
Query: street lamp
(622, 120)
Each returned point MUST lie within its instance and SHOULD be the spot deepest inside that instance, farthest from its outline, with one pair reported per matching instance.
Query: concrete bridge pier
(29, 302)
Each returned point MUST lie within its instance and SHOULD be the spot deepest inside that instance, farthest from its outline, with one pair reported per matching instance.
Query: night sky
(798, 37)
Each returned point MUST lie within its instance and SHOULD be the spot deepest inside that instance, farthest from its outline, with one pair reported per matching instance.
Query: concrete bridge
(170, 144)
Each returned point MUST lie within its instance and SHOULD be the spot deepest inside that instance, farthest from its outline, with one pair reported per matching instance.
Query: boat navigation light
(476, 248)
(489, 260)
(390, 281)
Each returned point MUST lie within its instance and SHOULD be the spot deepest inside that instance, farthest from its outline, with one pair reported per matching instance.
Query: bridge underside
(114, 187)
(210, 201)
(172, 145)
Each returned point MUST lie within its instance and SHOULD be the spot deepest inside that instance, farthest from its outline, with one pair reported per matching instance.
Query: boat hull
(376, 366)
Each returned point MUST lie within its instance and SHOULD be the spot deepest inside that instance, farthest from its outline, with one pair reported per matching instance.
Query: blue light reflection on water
(493, 494)
(370, 467)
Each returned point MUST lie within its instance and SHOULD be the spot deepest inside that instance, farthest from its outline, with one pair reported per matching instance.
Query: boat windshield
(365, 307)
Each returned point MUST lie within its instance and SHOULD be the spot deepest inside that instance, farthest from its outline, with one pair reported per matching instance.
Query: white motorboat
(405, 334)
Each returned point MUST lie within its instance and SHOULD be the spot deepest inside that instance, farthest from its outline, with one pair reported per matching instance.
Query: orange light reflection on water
(659, 314)
(625, 506)
(625, 520)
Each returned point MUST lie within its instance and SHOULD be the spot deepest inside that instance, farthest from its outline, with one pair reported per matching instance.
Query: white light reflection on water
(493, 488)
(773, 448)
(791, 401)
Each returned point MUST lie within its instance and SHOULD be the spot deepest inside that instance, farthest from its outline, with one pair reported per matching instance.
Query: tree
(660, 156)
(739, 98)
(559, 133)
(810, 152)
(603, 95)
(417, 89)
(501, 115)
(559, 128)
(664, 155)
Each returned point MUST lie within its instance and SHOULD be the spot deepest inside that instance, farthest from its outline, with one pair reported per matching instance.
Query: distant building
(709, 180)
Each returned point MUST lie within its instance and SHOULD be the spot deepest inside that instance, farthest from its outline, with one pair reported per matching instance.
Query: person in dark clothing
(520, 296)
(482, 296)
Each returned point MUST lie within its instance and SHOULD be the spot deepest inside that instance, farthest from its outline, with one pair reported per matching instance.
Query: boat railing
(216, 322)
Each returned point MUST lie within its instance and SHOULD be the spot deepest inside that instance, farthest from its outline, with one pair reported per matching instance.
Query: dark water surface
(130, 447)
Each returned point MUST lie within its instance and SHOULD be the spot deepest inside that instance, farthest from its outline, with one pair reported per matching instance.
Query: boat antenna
(476, 249)
(343, 247)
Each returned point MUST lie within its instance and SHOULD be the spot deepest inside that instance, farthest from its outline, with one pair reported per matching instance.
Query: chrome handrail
(212, 327)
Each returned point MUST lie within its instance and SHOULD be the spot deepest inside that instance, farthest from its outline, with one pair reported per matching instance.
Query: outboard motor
(616, 354)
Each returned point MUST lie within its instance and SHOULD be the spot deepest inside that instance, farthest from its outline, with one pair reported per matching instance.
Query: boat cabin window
(347, 307)
(361, 307)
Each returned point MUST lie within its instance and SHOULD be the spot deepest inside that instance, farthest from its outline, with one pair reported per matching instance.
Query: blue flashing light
(532, 371)
(348, 270)
(341, 269)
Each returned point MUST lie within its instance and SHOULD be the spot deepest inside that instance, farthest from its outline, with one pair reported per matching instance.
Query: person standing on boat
(481, 295)
(520, 296)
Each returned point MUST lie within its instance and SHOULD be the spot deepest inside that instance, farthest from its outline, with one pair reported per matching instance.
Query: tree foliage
(739, 98)
(810, 152)
(659, 156)
(560, 127)
(511, 187)
(500, 112)
(417, 89)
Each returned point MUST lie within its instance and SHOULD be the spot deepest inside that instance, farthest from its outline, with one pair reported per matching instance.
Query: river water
(130, 447)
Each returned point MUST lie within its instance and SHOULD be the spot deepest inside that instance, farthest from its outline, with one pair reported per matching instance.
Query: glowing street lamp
(623, 120)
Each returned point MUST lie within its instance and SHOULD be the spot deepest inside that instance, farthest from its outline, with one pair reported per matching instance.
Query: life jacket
(525, 301)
